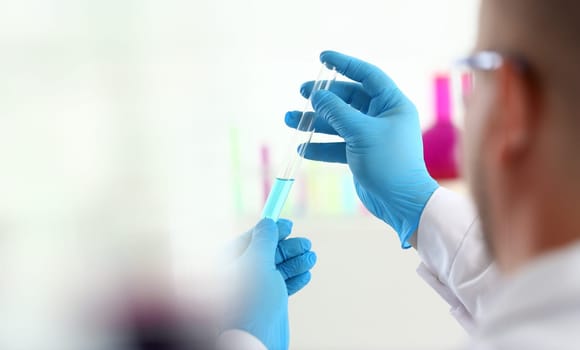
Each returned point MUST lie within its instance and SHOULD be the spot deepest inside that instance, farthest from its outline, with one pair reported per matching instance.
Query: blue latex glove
(293, 258)
(382, 147)
(261, 299)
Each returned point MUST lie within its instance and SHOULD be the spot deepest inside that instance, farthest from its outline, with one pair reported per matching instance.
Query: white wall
(115, 113)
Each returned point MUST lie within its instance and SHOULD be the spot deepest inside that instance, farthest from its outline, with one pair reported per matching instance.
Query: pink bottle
(441, 141)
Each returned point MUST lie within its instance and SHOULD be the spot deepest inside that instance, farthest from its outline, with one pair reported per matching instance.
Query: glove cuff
(411, 214)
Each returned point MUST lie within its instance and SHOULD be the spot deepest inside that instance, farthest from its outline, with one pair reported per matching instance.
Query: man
(511, 272)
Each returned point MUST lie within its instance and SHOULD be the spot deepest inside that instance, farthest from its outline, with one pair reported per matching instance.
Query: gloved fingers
(264, 241)
(373, 80)
(292, 119)
(291, 247)
(350, 92)
(329, 152)
(297, 265)
(346, 120)
(295, 284)
(284, 228)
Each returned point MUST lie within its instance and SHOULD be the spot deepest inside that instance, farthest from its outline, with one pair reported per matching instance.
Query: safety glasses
(483, 61)
(465, 73)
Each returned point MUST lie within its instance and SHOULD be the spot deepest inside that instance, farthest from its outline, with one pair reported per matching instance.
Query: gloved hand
(382, 141)
(260, 298)
(293, 258)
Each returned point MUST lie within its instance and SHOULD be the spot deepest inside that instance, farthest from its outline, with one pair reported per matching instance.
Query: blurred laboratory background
(137, 136)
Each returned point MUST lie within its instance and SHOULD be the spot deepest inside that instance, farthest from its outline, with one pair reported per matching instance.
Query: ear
(518, 111)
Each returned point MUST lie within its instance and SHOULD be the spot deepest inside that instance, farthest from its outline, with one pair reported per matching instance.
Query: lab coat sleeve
(239, 340)
(455, 259)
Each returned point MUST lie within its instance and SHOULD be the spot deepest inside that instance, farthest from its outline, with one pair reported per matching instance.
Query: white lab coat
(538, 308)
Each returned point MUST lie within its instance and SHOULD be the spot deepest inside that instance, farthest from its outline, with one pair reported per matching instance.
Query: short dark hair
(549, 33)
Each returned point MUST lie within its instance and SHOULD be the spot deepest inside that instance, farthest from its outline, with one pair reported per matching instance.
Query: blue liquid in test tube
(304, 131)
(277, 198)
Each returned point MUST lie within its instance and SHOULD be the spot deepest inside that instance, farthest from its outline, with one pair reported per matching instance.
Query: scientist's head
(523, 127)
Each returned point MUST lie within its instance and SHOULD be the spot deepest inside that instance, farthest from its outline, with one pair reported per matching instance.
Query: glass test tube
(283, 183)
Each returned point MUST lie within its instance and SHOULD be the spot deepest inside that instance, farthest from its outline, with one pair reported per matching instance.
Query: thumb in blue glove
(293, 259)
(382, 141)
